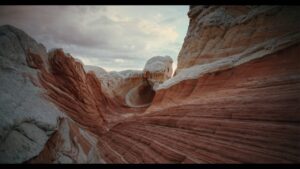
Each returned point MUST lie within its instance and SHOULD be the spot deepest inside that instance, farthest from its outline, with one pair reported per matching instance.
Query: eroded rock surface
(235, 97)
(217, 32)
(158, 69)
(69, 144)
(27, 119)
(236, 103)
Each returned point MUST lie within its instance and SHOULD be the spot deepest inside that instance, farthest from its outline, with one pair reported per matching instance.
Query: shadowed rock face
(141, 95)
(235, 98)
(27, 120)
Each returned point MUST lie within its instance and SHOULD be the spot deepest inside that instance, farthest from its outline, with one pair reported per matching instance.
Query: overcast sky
(112, 37)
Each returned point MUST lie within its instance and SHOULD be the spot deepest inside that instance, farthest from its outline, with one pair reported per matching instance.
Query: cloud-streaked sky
(112, 37)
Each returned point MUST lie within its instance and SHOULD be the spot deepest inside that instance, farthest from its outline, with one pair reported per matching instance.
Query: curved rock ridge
(255, 52)
(247, 114)
(69, 87)
(80, 94)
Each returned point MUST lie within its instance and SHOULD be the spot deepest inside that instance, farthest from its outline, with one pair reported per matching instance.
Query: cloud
(112, 37)
(119, 60)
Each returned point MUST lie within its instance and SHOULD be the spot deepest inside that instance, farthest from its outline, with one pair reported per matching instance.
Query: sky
(112, 37)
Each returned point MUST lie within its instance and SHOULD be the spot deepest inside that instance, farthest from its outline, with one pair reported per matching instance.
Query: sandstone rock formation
(69, 144)
(158, 69)
(235, 97)
(134, 88)
(27, 120)
(221, 31)
(55, 82)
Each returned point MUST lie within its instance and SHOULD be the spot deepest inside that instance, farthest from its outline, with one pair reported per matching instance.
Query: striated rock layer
(247, 114)
(220, 31)
(80, 95)
(235, 97)
(236, 101)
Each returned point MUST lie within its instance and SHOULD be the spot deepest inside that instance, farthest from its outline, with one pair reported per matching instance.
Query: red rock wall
(247, 114)
(79, 94)
(216, 32)
(74, 91)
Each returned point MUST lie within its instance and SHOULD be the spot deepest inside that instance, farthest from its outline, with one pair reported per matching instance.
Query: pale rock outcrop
(160, 66)
(27, 119)
(70, 144)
